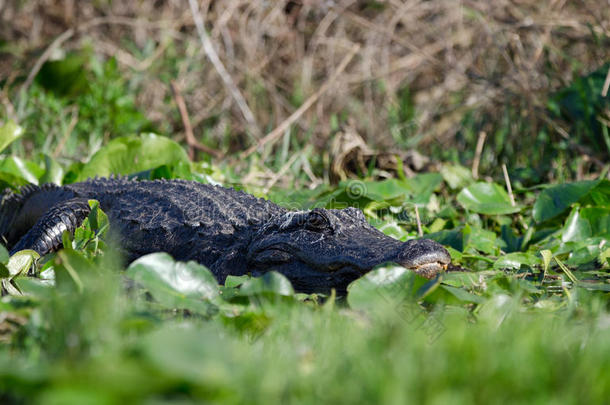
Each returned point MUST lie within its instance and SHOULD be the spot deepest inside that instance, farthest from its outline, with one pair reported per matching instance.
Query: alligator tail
(12, 204)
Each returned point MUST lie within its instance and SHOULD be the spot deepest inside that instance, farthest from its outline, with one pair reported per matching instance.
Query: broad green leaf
(556, 199)
(515, 260)
(20, 262)
(9, 132)
(21, 168)
(453, 238)
(583, 223)
(423, 185)
(98, 219)
(479, 239)
(456, 176)
(584, 252)
(386, 286)
(513, 242)
(235, 281)
(417, 189)
(271, 282)
(175, 284)
(486, 198)
(8, 180)
(131, 154)
(600, 194)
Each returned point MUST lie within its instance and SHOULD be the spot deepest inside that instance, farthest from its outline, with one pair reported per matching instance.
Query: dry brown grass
(454, 56)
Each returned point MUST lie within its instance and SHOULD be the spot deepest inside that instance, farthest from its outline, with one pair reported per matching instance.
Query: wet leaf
(486, 198)
(18, 167)
(131, 154)
(9, 132)
(175, 284)
(271, 282)
(456, 176)
(556, 199)
(386, 285)
(516, 260)
(583, 223)
(20, 262)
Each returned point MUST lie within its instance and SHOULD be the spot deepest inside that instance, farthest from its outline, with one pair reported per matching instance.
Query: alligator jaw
(424, 256)
(429, 270)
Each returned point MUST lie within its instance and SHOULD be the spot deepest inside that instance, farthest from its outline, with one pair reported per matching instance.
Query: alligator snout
(424, 256)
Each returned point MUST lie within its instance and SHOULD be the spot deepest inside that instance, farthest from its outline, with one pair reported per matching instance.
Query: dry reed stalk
(508, 185)
(477, 154)
(191, 141)
(279, 130)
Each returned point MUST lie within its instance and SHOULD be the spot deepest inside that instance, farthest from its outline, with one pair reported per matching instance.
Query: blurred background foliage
(427, 76)
(411, 104)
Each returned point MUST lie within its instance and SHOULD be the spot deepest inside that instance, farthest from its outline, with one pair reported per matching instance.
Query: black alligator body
(231, 232)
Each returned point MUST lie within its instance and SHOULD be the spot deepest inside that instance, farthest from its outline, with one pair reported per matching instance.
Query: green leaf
(175, 284)
(271, 282)
(513, 243)
(97, 218)
(131, 154)
(453, 238)
(479, 239)
(583, 223)
(235, 281)
(486, 198)
(4, 256)
(20, 262)
(416, 190)
(21, 168)
(386, 285)
(554, 200)
(422, 186)
(515, 260)
(9, 132)
(456, 176)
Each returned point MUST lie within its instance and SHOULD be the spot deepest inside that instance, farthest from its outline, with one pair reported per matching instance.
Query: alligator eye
(317, 221)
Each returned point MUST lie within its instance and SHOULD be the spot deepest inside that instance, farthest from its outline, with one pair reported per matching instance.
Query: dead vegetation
(441, 58)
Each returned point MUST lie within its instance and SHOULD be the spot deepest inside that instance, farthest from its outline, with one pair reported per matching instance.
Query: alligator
(228, 231)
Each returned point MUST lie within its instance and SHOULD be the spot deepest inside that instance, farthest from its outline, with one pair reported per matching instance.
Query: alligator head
(322, 249)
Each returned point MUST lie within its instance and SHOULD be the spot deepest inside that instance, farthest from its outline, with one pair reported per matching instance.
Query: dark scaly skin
(230, 232)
